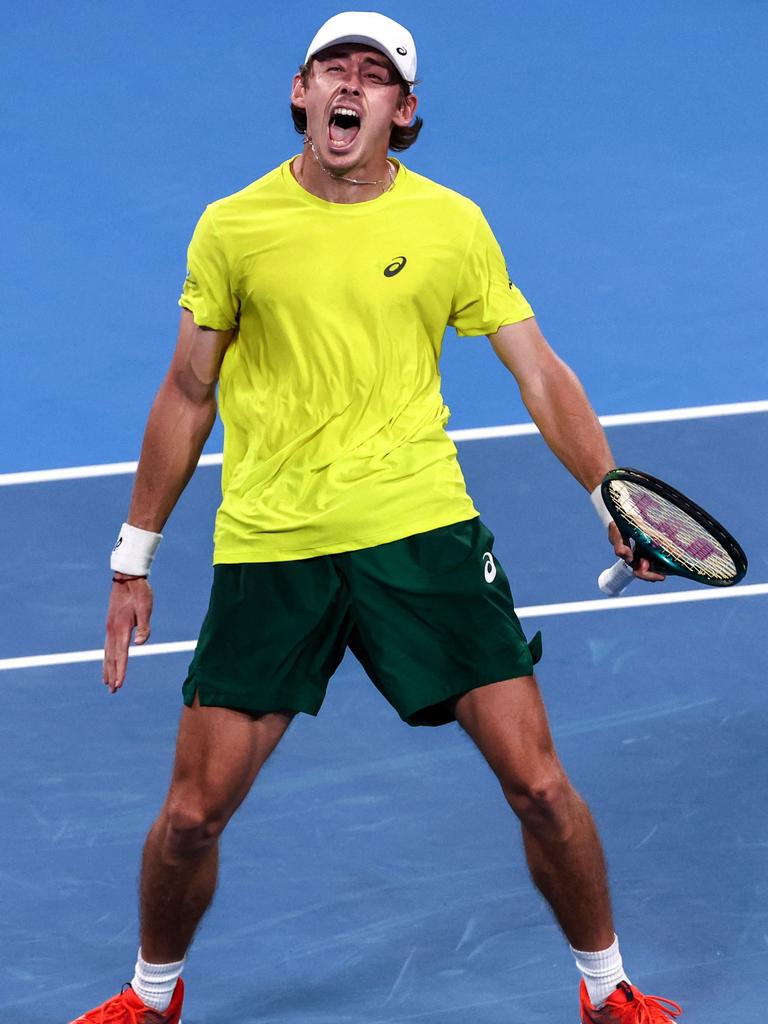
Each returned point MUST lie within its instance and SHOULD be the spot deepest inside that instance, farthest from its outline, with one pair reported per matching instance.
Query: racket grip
(616, 578)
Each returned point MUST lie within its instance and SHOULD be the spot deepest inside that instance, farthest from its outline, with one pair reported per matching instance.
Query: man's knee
(191, 824)
(543, 798)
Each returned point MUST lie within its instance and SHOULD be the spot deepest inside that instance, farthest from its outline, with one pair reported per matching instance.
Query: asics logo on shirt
(395, 266)
(489, 567)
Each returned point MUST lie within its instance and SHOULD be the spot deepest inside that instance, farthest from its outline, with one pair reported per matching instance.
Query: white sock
(602, 971)
(154, 983)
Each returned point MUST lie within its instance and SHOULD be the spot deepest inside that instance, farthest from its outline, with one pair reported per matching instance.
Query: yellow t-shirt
(334, 425)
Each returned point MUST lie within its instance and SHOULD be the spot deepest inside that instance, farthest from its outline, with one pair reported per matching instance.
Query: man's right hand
(130, 608)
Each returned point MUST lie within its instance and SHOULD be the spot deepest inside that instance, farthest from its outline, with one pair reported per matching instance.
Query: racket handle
(616, 579)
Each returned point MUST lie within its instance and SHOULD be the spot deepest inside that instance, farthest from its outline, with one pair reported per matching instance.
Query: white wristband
(134, 551)
(603, 514)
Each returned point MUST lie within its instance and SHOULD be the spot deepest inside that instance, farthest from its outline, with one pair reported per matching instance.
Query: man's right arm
(179, 423)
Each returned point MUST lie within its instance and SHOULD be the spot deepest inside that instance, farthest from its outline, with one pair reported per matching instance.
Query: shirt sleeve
(484, 298)
(208, 291)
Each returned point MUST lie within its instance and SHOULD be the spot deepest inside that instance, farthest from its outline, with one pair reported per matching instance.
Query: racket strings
(672, 530)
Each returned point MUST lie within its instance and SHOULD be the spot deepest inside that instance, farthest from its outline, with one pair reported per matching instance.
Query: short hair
(399, 138)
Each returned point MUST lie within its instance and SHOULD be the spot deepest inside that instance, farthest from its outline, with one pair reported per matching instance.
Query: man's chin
(339, 158)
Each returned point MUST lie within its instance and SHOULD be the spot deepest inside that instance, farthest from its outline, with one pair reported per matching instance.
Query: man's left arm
(561, 410)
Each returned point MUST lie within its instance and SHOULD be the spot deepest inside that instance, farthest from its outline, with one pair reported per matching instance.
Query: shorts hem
(210, 697)
(438, 712)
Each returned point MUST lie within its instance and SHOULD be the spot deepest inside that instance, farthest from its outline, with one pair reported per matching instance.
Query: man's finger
(121, 665)
(141, 634)
(620, 546)
(116, 657)
(142, 610)
(116, 666)
(643, 571)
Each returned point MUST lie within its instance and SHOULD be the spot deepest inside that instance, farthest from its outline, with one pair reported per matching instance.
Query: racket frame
(648, 548)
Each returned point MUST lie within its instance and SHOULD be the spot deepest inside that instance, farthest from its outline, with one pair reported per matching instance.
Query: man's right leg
(251, 659)
(219, 753)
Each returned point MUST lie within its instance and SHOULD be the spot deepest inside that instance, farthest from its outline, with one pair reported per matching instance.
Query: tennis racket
(677, 536)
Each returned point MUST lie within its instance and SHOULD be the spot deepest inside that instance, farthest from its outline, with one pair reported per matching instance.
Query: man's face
(352, 99)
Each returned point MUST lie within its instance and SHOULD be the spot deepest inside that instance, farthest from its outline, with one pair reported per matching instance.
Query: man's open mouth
(343, 127)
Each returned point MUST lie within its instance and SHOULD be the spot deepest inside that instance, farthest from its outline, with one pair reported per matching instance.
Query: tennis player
(317, 298)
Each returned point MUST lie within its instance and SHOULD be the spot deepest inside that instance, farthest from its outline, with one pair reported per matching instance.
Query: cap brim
(375, 44)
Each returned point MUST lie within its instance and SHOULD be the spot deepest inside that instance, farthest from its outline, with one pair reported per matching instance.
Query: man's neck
(358, 185)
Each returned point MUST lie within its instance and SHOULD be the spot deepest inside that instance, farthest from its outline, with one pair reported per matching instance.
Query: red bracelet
(130, 579)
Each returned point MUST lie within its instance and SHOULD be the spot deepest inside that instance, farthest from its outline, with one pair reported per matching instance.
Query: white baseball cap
(377, 30)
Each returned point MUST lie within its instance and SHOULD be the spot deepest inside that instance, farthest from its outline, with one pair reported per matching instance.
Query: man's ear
(297, 92)
(406, 111)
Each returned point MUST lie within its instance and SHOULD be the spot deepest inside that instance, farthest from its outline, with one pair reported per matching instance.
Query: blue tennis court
(374, 874)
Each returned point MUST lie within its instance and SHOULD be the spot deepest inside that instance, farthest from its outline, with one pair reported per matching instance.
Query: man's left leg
(448, 578)
(508, 723)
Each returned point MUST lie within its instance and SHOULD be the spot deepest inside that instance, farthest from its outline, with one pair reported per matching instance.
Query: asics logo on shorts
(489, 567)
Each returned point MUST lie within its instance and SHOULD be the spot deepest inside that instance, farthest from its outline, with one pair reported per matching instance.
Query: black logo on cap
(395, 266)
(402, 51)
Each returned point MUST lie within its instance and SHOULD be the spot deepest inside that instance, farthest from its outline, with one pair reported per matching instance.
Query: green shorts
(428, 617)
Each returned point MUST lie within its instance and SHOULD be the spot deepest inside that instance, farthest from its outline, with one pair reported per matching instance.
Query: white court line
(43, 476)
(604, 604)
(624, 419)
(78, 657)
(695, 412)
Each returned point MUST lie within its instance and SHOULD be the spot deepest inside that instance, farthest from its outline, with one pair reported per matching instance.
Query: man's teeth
(336, 115)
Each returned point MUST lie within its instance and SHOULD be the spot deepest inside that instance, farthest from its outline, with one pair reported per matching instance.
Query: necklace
(388, 182)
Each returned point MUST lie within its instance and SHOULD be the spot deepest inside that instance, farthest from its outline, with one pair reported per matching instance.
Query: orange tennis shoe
(127, 1008)
(628, 1005)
